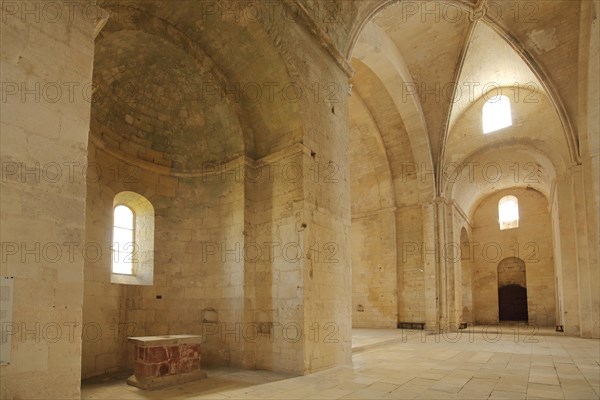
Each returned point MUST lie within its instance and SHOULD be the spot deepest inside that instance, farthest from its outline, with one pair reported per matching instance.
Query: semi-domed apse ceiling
(175, 87)
(423, 71)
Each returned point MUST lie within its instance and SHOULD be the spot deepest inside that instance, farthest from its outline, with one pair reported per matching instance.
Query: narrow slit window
(508, 212)
(496, 114)
(123, 242)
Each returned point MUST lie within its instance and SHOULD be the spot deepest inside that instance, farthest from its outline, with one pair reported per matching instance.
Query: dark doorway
(513, 303)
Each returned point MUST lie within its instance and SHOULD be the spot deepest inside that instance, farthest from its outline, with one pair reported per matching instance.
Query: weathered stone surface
(282, 219)
(161, 361)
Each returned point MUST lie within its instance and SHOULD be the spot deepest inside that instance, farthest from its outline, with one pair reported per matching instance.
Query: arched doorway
(512, 290)
(512, 303)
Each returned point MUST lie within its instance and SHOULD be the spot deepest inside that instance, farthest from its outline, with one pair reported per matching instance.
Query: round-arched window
(508, 212)
(496, 114)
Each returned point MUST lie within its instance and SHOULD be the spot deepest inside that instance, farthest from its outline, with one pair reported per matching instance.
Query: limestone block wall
(373, 231)
(566, 228)
(240, 292)
(199, 268)
(198, 264)
(104, 305)
(325, 209)
(274, 279)
(411, 259)
(42, 209)
(531, 242)
(374, 279)
(586, 191)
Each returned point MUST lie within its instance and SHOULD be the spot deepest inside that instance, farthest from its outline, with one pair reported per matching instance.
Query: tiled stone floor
(411, 366)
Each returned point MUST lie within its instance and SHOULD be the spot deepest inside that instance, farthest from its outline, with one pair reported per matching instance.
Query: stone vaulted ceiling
(440, 61)
(421, 72)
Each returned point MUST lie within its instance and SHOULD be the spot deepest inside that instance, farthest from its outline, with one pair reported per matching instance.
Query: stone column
(565, 224)
(443, 266)
(46, 69)
(587, 265)
(450, 251)
(431, 274)
(586, 189)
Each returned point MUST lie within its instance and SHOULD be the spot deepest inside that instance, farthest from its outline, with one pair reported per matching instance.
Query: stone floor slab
(415, 368)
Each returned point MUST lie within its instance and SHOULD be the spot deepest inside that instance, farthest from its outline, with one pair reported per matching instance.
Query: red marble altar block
(165, 360)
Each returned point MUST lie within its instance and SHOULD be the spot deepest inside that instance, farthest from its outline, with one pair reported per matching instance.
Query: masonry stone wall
(531, 242)
(411, 260)
(280, 310)
(43, 153)
(290, 307)
(374, 281)
(198, 264)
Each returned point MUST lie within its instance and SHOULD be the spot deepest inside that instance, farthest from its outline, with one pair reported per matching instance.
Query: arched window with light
(123, 240)
(496, 114)
(508, 212)
(132, 250)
